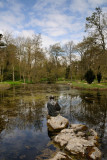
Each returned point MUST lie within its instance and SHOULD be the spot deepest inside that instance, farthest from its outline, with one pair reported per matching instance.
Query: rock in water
(61, 156)
(57, 123)
(95, 153)
(78, 127)
(64, 136)
(78, 145)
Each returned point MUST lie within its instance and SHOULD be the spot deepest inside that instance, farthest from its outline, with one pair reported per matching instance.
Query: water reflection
(23, 123)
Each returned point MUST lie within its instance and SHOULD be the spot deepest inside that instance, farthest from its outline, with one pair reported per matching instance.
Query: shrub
(99, 77)
(89, 76)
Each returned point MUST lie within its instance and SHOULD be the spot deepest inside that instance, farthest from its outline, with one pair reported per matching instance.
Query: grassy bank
(11, 82)
(7, 84)
(84, 85)
(4, 86)
(93, 86)
(74, 84)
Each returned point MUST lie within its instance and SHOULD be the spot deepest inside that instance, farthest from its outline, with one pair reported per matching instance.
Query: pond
(23, 118)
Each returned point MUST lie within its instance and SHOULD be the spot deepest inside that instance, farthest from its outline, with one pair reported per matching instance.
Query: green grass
(15, 82)
(11, 82)
(64, 82)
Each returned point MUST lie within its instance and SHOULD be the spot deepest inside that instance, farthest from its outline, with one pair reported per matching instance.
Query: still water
(23, 122)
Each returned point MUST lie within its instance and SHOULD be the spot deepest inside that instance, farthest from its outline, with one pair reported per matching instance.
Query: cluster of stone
(75, 140)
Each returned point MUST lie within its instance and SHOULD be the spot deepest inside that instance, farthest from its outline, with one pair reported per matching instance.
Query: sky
(56, 20)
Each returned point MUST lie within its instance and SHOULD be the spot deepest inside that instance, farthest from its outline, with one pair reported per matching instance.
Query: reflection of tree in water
(92, 111)
(27, 117)
(19, 113)
(67, 101)
(19, 107)
(89, 109)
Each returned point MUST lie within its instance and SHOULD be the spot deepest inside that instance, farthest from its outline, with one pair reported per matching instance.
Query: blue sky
(56, 20)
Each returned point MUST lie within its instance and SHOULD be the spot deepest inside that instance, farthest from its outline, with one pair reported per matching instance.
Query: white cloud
(55, 32)
(46, 41)
(76, 38)
(104, 9)
(5, 26)
(15, 6)
(51, 17)
(85, 6)
(1, 4)
(56, 20)
(96, 3)
(11, 16)
(1, 32)
(49, 5)
(53, 24)
(79, 6)
(27, 33)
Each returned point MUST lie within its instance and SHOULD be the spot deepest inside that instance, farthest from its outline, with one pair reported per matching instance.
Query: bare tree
(12, 59)
(97, 25)
(56, 51)
(69, 50)
(20, 42)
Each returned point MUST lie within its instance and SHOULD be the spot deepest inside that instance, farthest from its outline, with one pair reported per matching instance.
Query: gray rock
(95, 153)
(93, 133)
(78, 145)
(81, 134)
(78, 127)
(57, 123)
(61, 156)
(64, 136)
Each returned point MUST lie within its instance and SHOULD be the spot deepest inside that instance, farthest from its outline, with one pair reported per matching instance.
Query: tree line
(25, 59)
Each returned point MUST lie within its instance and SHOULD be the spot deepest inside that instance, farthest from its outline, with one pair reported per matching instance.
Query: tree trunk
(23, 78)
(2, 69)
(1, 74)
(13, 75)
(19, 71)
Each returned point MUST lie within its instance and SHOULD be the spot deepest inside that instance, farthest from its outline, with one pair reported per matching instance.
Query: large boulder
(57, 123)
(61, 156)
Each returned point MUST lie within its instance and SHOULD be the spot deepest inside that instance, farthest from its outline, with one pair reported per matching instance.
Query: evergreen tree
(89, 76)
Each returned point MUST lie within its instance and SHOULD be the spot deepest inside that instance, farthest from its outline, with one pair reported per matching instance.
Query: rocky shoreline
(74, 140)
